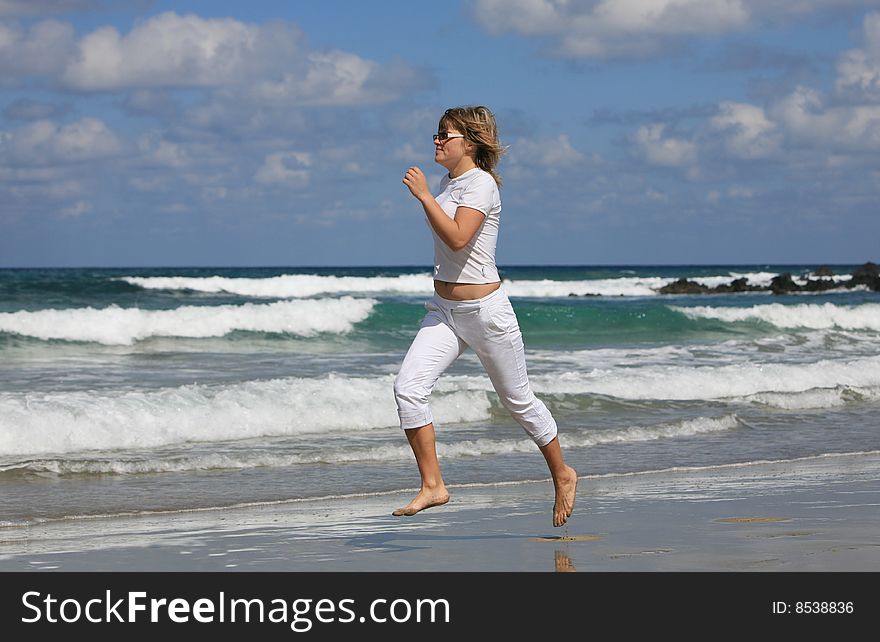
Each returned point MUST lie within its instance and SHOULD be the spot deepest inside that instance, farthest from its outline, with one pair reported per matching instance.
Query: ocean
(133, 390)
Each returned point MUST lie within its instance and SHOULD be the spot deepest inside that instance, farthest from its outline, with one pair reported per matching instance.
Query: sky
(277, 133)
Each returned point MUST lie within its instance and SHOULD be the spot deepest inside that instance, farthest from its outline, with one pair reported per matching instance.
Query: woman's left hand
(415, 180)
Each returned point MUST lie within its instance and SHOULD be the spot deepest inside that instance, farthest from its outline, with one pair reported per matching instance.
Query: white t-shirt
(475, 262)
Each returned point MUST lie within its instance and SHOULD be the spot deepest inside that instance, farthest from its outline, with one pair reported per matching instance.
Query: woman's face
(450, 151)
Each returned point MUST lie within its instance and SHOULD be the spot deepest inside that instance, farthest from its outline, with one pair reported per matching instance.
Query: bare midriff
(464, 291)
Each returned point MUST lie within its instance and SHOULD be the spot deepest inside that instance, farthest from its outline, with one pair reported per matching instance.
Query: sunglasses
(444, 136)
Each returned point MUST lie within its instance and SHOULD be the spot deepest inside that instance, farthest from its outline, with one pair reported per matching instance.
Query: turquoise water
(138, 389)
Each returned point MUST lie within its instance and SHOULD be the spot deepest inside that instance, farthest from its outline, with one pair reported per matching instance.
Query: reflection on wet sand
(563, 562)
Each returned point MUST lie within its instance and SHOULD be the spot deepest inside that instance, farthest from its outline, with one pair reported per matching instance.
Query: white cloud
(345, 158)
(741, 132)
(48, 186)
(86, 139)
(288, 169)
(248, 62)
(331, 78)
(808, 120)
(76, 210)
(169, 50)
(527, 17)
(334, 78)
(587, 29)
(664, 151)
(858, 70)
(163, 152)
(748, 132)
(244, 62)
(42, 50)
(29, 109)
(44, 142)
(671, 16)
(171, 154)
(611, 27)
(409, 154)
(554, 153)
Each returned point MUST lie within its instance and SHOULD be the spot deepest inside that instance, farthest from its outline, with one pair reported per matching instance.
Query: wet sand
(815, 514)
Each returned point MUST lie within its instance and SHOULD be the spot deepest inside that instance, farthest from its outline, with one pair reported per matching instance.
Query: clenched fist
(415, 180)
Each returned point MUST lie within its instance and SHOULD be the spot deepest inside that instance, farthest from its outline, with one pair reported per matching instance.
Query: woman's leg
(435, 347)
(564, 482)
(499, 346)
(433, 491)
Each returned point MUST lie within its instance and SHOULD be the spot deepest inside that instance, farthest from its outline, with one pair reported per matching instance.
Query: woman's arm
(455, 232)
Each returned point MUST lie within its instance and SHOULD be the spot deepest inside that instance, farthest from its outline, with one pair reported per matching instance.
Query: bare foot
(566, 488)
(426, 498)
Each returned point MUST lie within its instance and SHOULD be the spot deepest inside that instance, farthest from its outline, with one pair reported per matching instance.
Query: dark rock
(819, 285)
(684, 286)
(867, 269)
(738, 285)
(783, 283)
(867, 274)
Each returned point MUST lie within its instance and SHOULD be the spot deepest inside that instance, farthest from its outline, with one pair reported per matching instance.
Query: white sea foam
(381, 453)
(630, 434)
(303, 285)
(806, 315)
(766, 278)
(610, 357)
(67, 422)
(703, 382)
(807, 346)
(684, 428)
(123, 326)
(816, 398)
(47, 423)
(289, 285)
(622, 286)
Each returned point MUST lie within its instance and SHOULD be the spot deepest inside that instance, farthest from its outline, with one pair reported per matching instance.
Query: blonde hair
(477, 123)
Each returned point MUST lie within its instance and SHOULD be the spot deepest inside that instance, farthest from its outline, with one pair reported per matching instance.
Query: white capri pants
(489, 326)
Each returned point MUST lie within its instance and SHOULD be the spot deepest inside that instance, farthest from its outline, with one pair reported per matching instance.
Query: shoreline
(809, 514)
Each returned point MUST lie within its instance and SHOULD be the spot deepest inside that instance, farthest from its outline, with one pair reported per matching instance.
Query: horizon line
(419, 266)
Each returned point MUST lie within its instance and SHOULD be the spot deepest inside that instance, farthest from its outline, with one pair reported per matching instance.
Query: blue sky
(151, 133)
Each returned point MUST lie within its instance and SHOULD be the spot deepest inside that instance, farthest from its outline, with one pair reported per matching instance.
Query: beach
(815, 514)
(240, 419)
